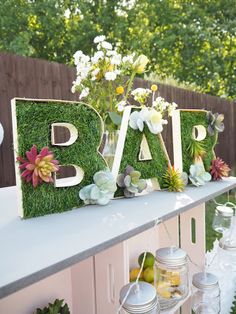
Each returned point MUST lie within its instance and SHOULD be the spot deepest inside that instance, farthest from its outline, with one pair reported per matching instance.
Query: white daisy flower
(84, 93)
(110, 76)
(116, 59)
(99, 39)
(106, 45)
(128, 59)
(97, 56)
(121, 105)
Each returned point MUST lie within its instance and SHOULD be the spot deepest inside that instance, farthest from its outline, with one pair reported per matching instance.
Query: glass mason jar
(141, 299)
(171, 276)
(227, 254)
(205, 294)
(222, 219)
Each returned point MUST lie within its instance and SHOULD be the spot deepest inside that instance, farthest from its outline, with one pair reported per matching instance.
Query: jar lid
(225, 211)
(227, 244)
(205, 281)
(141, 299)
(171, 256)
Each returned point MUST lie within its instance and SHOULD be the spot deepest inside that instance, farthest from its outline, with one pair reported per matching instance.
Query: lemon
(163, 290)
(133, 274)
(173, 278)
(148, 274)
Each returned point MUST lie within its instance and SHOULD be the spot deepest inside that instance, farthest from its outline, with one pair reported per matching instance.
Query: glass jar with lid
(142, 299)
(205, 294)
(222, 219)
(171, 276)
(227, 254)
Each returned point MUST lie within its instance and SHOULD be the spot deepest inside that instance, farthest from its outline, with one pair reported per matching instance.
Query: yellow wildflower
(120, 90)
(154, 88)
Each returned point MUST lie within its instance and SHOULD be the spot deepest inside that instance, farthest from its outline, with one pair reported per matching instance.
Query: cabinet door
(83, 287)
(111, 273)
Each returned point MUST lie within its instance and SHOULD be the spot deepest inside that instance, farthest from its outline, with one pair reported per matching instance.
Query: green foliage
(172, 180)
(192, 41)
(188, 120)
(196, 149)
(54, 308)
(34, 121)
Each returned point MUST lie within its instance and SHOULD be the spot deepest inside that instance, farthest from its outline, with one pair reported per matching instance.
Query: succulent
(38, 167)
(54, 308)
(173, 181)
(196, 149)
(198, 176)
(130, 182)
(219, 169)
(101, 191)
(105, 181)
(215, 122)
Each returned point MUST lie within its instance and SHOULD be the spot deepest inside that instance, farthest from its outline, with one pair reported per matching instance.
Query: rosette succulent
(173, 181)
(198, 176)
(215, 122)
(38, 168)
(219, 169)
(101, 191)
(105, 181)
(130, 182)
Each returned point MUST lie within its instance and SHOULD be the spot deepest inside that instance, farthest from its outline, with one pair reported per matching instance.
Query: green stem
(129, 85)
(110, 97)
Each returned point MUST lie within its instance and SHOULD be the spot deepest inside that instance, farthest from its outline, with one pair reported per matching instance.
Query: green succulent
(105, 181)
(130, 182)
(101, 191)
(196, 149)
(54, 308)
(198, 176)
(173, 181)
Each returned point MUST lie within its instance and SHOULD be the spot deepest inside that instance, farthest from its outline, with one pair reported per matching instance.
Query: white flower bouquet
(105, 79)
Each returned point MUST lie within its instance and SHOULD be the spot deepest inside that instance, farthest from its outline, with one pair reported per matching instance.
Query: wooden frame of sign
(197, 131)
(147, 151)
(82, 174)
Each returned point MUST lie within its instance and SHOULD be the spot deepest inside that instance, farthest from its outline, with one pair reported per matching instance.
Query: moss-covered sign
(191, 139)
(144, 151)
(33, 121)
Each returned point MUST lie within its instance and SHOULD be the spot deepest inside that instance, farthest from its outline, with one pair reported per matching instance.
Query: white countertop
(35, 248)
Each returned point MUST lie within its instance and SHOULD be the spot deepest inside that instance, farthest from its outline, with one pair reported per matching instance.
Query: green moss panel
(154, 168)
(188, 120)
(34, 121)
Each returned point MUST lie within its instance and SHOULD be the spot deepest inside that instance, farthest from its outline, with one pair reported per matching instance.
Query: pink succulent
(38, 168)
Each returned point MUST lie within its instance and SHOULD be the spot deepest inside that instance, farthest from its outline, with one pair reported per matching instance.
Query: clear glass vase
(110, 139)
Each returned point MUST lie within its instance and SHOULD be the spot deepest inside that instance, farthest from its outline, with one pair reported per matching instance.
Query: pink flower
(38, 168)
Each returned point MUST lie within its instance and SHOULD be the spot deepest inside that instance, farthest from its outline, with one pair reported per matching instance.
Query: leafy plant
(196, 149)
(173, 181)
(54, 308)
(130, 182)
(219, 169)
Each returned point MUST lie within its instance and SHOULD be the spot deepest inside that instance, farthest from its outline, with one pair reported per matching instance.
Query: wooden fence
(34, 78)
